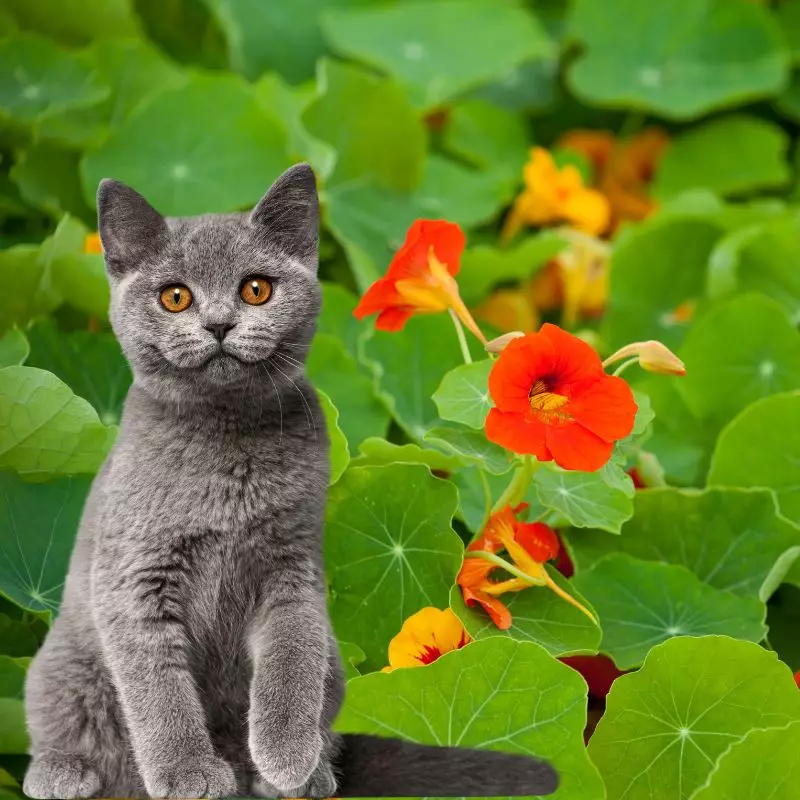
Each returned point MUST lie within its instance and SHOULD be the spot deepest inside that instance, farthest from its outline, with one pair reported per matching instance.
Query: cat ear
(288, 214)
(129, 226)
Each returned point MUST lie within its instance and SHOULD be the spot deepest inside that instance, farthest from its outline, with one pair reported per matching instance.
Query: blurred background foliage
(684, 114)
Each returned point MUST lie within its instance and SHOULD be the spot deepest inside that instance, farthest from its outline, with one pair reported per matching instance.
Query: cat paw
(209, 777)
(60, 776)
(289, 762)
(321, 784)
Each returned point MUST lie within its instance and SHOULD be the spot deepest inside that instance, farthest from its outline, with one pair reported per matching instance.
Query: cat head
(216, 305)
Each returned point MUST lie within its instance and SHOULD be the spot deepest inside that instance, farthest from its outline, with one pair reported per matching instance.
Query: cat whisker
(309, 415)
(265, 364)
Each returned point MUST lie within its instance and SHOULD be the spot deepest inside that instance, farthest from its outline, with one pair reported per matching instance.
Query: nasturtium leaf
(43, 79)
(375, 451)
(731, 539)
(75, 21)
(726, 370)
(17, 640)
(13, 731)
(490, 137)
(646, 303)
(45, 429)
(80, 280)
(38, 523)
(679, 60)
(383, 140)
(389, 551)
(336, 317)
(47, 178)
(537, 615)
(584, 499)
(765, 763)
(463, 394)
(761, 447)
(788, 102)
(667, 724)
(14, 348)
(477, 491)
(352, 656)
(701, 158)
(498, 694)
(472, 447)
(339, 454)
(483, 267)
(409, 365)
(26, 293)
(332, 369)
(91, 364)
(643, 603)
(430, 48)
(201, 161)
(12, 678)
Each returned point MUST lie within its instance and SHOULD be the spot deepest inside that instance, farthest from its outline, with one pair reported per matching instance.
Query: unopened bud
(653, 356)
(499, 344)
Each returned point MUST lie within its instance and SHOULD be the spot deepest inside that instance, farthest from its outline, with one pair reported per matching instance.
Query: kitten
(193, 655)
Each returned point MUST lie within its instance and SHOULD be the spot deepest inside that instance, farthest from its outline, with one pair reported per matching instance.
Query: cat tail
(371, 766)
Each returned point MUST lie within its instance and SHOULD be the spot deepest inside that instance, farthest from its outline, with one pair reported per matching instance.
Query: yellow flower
(424, 637)
(508, 309)
(92, 244)
(554, 195)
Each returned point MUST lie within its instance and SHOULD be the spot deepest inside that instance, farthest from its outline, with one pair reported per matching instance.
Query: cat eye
(256, 291)
(176, 298)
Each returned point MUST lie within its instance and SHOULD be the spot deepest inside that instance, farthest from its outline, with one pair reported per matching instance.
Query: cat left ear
(288, 214)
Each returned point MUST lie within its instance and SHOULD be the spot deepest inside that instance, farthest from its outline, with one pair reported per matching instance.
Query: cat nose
(219, 329)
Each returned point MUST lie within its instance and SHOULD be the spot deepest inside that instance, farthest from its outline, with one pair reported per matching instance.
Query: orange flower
(424, 637)
(553, 400)
(420, 278)
(554, 195)
(92, 244)
(530, 545)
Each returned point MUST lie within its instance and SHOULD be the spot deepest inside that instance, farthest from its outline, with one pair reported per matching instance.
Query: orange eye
(256, 291)
(176, 298)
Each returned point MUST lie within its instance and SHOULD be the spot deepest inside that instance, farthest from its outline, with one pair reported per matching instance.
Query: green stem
(487, 496)
(625, 364)
(515, 571)
(518, 486)
(462, 339)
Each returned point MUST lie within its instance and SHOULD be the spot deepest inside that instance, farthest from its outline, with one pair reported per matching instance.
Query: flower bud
(499, 344)
(653, 356)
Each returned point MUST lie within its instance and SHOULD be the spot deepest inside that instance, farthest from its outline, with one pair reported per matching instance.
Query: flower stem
(624, 365)
(564, 595)
(487, 496)
(518, 486)
(462, 339)
(500, 562)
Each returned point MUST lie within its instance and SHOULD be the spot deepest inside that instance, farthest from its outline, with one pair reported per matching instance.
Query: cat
(193, 655)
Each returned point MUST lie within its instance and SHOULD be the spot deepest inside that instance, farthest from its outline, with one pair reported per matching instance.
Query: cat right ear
(129, 226)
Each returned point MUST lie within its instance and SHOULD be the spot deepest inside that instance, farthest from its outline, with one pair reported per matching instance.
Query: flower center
(429, 654)
(545, 404)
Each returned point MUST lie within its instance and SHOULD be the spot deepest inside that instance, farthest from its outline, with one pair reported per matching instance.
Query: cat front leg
(289, 646)
(138, 614)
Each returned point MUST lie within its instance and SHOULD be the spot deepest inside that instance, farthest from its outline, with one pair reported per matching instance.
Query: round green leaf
(496, 694)
(14, 348)
(336, 372)
(701, 158)
(431, 47)
(585, 499)
(81, 280)
(473, 484)
(643, 603)
(389, 551)
(26, 289)
(45, 429)
(537, 615)
(352, 656)
(376, 451)
(775, 751)
(38, 523)
(12, 680)
(667, 724)
(679, 59)
(463, 394)
(17, 640)
(761, 447)
(472, 446)
(337, 320)
(731, 539)
(642, 301)
(43, 79)
(738, 352)
(339, 454)
(383, 140)
(13, 731)
(91, 364)
(201, 160)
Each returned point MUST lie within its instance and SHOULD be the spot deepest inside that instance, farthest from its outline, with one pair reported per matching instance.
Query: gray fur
(193, 655)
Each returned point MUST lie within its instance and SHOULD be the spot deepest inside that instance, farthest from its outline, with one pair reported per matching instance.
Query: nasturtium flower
(797, 679)
(420, 278)
(553, 196)
(425, 636)
(92, 244)
(554, 401)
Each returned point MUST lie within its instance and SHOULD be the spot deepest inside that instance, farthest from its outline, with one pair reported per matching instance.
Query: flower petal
(538, 539)
(393, 319)
(500, 615)
(514, 432)
(520, 365)
(447, 240)
(574, 360)
(575, 447)
(605, 407)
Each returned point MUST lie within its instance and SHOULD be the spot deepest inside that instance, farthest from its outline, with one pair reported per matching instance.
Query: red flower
(797, 679)
(420, 278)
(598, 671)
(554, 401)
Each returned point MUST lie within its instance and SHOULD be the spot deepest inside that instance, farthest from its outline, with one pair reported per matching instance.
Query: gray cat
(193, 655)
